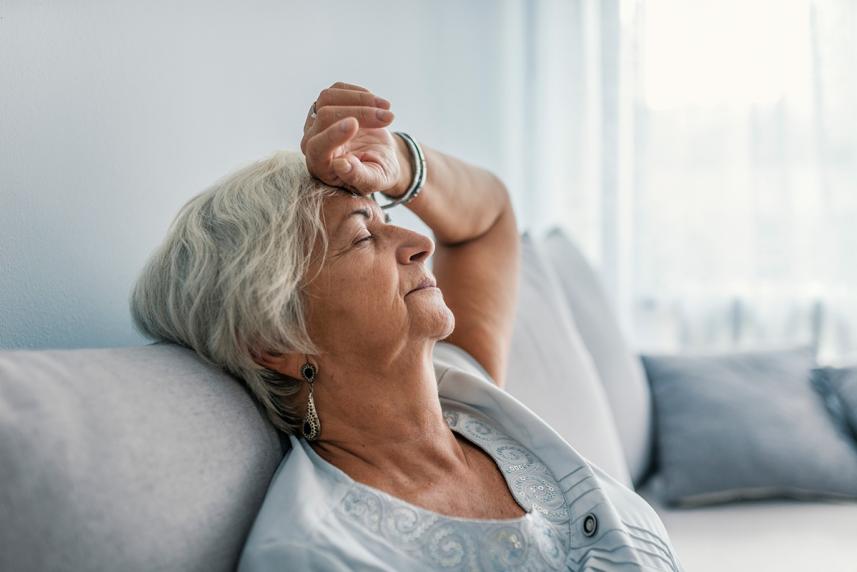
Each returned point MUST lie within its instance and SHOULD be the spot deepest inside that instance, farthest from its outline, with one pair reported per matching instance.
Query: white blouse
(315, 517)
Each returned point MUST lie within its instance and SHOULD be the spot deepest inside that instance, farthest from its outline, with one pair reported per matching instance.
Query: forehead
(343, 203)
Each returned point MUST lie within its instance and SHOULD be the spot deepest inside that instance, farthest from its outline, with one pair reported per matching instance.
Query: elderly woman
(406, 453)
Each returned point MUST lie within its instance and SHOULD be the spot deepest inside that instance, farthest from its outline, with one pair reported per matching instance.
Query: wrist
(406, 169)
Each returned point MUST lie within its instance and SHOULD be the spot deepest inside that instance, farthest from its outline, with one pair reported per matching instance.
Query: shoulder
(297, 507)
(633, 515)
(274, 556)
(303, 522)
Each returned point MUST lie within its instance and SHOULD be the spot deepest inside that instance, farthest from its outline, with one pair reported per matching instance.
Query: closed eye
(371, 236)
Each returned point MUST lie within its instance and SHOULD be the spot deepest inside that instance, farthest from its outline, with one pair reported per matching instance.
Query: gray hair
(230, 275)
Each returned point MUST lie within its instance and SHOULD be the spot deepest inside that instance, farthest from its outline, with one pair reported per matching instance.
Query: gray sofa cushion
(551, 372)
(746, 425)
(140, 458)
(779, 535)
(618, 367)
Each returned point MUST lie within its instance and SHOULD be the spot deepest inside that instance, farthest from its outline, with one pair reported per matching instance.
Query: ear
(283, 363)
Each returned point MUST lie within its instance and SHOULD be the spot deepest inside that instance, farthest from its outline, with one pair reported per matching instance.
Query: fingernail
(384, 115)
(344, 124)
(381, 102)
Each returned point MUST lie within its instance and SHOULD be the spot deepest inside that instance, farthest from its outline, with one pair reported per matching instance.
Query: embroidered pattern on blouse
(537, 541)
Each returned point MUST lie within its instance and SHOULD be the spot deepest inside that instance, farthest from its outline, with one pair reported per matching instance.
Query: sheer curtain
(704, 157)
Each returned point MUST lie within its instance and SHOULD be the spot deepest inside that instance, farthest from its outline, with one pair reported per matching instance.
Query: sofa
(149, 458)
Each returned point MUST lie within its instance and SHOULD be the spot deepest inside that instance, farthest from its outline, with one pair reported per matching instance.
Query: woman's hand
(347, 143)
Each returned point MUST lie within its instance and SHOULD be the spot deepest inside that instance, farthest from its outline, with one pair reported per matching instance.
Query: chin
(450, 323)
(431, 319)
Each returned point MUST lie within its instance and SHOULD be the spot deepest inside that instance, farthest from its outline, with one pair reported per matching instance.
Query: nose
(415, 247)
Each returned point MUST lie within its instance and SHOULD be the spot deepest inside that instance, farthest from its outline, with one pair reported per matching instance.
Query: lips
(424, 283)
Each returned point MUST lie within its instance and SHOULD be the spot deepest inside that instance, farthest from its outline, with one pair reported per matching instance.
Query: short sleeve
(446, 354)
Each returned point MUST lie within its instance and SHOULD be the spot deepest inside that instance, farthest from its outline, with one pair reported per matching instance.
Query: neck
(383, 421)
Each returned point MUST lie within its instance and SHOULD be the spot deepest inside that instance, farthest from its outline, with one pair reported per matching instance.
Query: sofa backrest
(619, 368)
(551, 371)
(140, 458)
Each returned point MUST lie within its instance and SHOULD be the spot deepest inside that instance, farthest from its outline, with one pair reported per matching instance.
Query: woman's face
(362, 300)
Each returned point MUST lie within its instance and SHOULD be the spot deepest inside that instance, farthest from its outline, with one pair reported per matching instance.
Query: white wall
(113, 114)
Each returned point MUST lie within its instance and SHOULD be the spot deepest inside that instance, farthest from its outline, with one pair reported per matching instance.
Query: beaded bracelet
(418, 162)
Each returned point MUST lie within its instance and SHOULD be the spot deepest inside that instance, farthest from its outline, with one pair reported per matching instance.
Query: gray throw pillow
(839, 388)
(746, 425)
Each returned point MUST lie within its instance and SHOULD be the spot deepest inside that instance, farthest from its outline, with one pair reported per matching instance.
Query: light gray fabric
(746, 425)
(776, 534)
(551, 371)
(619, 369)
(141, 458)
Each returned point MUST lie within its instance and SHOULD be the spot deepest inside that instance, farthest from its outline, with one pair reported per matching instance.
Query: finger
(334, 96)
(308, 123)
(366, 116)
(320, 147)
(343, 85)
(356, 174)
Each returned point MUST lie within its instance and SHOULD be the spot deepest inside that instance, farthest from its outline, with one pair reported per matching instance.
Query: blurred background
(702, 154)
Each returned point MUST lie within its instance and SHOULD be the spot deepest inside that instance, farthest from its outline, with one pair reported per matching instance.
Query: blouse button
(590, 524)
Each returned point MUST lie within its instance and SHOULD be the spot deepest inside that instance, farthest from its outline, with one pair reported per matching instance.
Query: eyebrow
(363, 211)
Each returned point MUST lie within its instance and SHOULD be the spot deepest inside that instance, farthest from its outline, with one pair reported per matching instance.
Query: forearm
(459, 201)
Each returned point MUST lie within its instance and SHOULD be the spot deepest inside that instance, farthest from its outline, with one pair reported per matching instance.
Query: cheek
(364, 299)
(367, 282)
(378, 292)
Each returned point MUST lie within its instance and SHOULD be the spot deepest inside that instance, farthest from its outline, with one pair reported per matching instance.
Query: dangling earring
(312, 424)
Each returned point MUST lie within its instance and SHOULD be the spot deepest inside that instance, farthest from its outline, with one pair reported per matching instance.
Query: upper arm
(479, 281)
